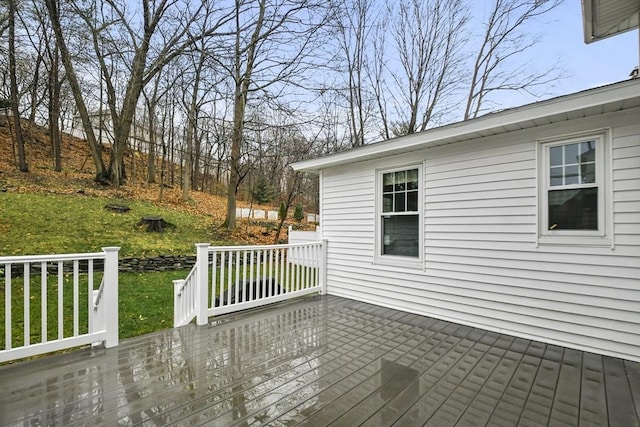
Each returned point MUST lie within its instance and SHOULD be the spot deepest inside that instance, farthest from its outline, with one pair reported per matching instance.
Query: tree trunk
(234, 163)
(242, 83)
(96, 154)
(17, 128)
(54, 111)
(151, 166)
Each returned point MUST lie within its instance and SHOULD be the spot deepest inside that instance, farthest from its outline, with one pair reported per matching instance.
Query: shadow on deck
(320, 361)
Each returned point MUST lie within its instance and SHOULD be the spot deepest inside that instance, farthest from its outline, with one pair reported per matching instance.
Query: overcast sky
(587, 65)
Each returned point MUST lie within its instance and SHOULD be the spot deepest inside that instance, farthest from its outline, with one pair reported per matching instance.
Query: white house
(525, 221)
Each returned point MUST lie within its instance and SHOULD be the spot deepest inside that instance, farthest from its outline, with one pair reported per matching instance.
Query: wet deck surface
(323, 361)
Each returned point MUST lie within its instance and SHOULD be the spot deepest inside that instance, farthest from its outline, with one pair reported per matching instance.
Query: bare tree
(354, 28)
(505, 38)
(273, 44)
(76, 90)
(151, 102)
(130, 52)
(428, 36)
(15, 98)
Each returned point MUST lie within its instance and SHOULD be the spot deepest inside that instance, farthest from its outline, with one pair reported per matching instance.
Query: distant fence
(296, 236)
(266, 214)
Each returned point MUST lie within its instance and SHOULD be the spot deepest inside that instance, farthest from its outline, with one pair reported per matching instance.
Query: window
(399, 227)
(572, 187)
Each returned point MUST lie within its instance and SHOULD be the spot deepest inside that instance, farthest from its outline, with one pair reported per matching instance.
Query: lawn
(33, 224)
(145, 305)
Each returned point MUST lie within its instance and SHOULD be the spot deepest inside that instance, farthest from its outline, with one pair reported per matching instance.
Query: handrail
(42, 258)
(261, 247)
(186, 281)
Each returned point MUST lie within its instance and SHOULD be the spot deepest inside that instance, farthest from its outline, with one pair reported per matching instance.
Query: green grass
(33, 224)
(145, 305)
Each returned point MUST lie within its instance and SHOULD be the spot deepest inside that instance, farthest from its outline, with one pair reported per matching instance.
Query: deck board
(322, 361)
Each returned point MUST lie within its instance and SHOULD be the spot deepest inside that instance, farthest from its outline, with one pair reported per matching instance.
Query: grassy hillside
(51, 223)
(44, 211)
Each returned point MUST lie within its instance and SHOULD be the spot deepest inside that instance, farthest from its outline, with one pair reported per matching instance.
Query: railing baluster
(214, 281)
(43, 301)
(307, 268)
(90, 294)
(299, 268)
(244, 269)
(305, 261)
(26, 313)
(221, 279)
(295, 269)
(270, 289)
(276, 268)
(263, 265)
(245, 278)
(287, 272)
(251, 276)
(316, 257)
(281, 275)
(7, 306)
(230, 288)
(60, 300)
(76, 298)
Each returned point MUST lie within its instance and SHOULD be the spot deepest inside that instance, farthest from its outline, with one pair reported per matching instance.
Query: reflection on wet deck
(320, 361)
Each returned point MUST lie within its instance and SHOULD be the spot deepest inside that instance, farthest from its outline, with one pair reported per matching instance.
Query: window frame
(600, 236)
(398, 260)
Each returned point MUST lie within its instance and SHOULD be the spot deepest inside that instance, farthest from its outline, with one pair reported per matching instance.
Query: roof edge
(627, 89)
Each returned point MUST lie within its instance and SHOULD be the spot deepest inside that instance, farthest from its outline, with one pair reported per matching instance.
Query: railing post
(202, 277)
(177, 302)
(110, 295)
(322, 268)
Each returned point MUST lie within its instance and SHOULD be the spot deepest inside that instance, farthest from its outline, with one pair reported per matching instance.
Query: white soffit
(605, 99)
(606, 18)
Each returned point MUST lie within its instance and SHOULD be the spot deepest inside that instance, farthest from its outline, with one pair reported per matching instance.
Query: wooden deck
(323, 361)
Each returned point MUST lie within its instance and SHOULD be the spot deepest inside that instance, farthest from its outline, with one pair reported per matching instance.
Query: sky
(586, 65)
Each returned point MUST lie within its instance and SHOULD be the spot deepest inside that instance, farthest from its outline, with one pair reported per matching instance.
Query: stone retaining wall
(125, 265)
(159, 263)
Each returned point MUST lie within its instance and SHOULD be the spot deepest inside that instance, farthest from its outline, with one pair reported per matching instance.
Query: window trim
(599, 237)
(398, 260)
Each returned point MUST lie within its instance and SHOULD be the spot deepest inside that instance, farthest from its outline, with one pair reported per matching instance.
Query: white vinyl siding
(483, 265)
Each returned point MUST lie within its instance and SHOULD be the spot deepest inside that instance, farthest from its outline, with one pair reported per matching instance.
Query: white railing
(232, 278)
(185, 298)
(50, 302)
(298, 236)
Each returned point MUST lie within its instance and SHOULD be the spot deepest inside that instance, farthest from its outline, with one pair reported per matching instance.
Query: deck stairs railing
(53, 302)
(226, 279)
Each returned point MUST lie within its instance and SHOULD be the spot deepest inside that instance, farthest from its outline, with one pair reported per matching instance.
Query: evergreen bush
(282, 212)
(298, 214)
(263, 192)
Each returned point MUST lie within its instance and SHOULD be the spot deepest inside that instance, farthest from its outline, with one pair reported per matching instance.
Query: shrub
(282, 212)
(298, 214)
(263, 192)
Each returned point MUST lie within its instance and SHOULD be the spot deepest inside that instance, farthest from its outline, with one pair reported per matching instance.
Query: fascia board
(489, 123)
